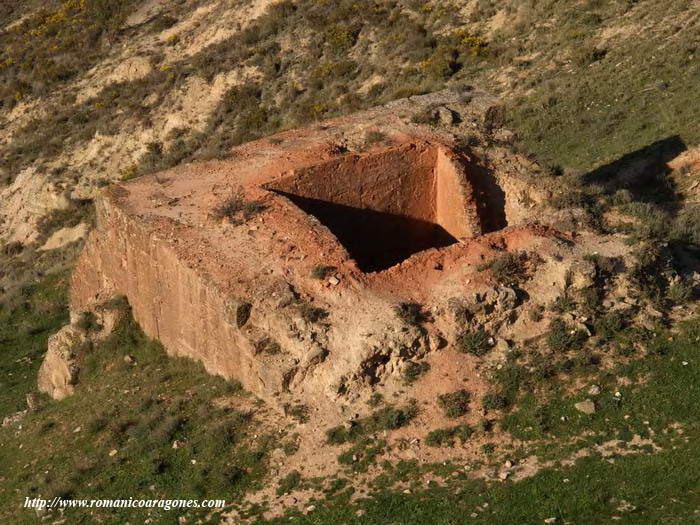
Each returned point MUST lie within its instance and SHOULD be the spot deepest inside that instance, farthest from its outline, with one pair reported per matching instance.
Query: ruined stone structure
(282, 266)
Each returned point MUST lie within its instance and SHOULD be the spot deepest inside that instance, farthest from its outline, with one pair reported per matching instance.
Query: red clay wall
(398, 180)
(455, 208)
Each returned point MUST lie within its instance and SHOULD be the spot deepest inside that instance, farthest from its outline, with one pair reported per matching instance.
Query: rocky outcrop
(60, 370)
(58, 374)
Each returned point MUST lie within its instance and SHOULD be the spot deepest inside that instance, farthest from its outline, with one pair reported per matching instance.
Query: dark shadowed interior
(376, 240)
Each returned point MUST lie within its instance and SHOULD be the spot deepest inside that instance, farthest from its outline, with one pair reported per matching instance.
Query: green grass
(663, 391)
(661, 487)
(138, 409)
(582, 116)
(25, 326)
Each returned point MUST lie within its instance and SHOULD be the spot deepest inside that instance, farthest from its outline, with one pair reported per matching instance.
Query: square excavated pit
(240, 293)
(387, 205)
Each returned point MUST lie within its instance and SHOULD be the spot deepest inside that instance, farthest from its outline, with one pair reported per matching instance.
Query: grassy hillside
(589, 87)
(638, 454)
(117, 438)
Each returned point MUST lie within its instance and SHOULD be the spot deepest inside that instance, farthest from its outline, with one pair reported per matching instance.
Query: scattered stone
(32, 402)
(407, 491)
(77, 429)
(508, 464)
(504, 475)
(550, 520)
(9, 420)
(361, 512)
(333, 281)
(587, 406)
(594, 390)
(446, 116)
(311, 508)
(128, 359)
(113, 452)
(503, 345)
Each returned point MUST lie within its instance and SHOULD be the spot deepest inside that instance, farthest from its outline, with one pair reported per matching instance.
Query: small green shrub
(96, 424)
(679, 292)
(237, 210)
(646, 273)
(563, 304)
(298, 412)
(507, 269)
(267, 345)
(562, 338)
(535, 314)
(411, 313)
(392, 418)
(387, 418)
(291, 447)
(289, 483)
(322, 272)
(590, 300)
(486, 425)
(88, 322)
(363, 454)
(652, 222)
(510, 377)
(609, 325)
(686, 226)
(542, 369)
(477, 343)
(414, 371)
(455, 404)
(494, 401)
(445, 437)
(586, 55)
(488, 448)
(374, 137)
(429, 117)
(13, 248)
(375, 400)
(313, 314)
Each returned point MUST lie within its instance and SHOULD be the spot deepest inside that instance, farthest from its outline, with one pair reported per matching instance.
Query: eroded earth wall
(170, 301)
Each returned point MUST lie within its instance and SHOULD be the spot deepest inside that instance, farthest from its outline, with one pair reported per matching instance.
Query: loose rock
(587, 406)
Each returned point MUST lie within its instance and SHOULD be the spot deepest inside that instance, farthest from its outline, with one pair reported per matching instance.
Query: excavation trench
(385, 206)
